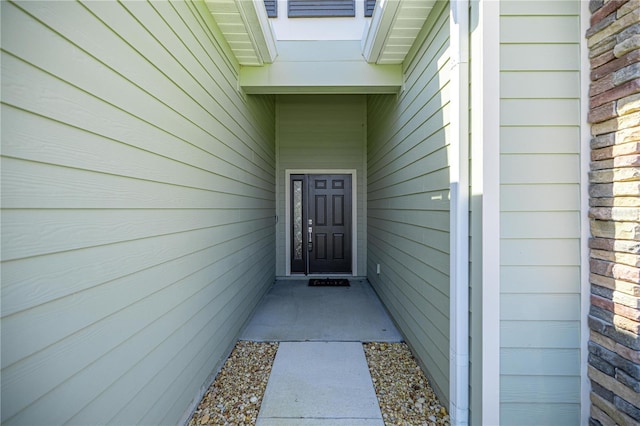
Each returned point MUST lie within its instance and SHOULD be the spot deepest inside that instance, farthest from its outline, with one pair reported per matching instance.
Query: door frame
(354, 213)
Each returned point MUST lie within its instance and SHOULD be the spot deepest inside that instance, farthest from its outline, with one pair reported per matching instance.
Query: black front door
(321, 224)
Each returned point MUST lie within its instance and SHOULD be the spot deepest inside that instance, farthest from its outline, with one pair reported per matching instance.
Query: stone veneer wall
(614, 317)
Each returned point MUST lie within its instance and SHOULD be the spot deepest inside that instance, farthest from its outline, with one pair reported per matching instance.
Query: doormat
(329, 282)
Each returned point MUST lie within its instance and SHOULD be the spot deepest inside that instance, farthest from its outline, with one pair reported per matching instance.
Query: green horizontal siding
(408, 200)
(136, 184)
(540, 303)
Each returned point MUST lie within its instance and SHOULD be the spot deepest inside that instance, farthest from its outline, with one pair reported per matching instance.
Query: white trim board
(485, 126)
(354, 214)
(585, 158)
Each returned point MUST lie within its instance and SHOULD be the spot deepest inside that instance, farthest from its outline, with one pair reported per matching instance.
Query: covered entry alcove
(321, 135)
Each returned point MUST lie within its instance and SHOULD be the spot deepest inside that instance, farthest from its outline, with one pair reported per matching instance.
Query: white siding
(321, 132)
(408, 200)
(540, 213)
(138, 209)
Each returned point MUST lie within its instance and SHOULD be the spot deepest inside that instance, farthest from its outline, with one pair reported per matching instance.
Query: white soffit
(246, 27)
(394, 27)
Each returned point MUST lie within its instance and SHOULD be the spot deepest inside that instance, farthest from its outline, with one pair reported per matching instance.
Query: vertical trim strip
(585, 157)
(489, 133)
(459, 214)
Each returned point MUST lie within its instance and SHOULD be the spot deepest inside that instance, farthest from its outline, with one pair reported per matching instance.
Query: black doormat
(329, 282)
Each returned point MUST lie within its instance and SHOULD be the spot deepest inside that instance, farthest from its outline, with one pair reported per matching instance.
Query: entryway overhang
(372, 65)
(328, 66)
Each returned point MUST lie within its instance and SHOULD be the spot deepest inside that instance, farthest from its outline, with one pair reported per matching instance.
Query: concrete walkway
(320, 374)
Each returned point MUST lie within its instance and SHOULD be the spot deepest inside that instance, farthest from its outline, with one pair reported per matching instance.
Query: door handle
(310, 239)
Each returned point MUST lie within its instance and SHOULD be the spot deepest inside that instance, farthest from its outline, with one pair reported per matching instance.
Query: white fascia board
(256, 21)
(376, 34)
(321, 77)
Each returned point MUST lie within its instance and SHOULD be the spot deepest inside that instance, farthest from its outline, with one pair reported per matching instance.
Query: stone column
(614, 317)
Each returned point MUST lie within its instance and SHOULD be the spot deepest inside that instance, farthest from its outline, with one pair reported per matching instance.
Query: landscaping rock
(235, 396)
(404, 393)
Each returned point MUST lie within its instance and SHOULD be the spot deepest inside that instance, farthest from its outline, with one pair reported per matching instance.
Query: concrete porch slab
(317, 383)
(292, 311)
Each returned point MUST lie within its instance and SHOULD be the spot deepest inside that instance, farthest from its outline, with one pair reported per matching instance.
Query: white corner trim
(459, 215)
(256, 22)
(489, 137)
(354, 212)
(377, 32)
(585, 155)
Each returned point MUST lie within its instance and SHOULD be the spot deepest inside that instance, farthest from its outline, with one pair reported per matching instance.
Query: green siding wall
(138, 195)
(321, 132)
(408, 200)
(540, 212)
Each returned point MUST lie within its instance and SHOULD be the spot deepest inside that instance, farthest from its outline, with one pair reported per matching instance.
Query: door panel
(338, 246)
(331, 224)
(320, 210)
(338, 210)
(320, 247)
(323, 204)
